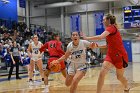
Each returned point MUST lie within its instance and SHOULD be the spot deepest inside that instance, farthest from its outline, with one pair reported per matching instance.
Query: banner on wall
(9, 10)
(22, 3)
(99, 27)
(75, 23)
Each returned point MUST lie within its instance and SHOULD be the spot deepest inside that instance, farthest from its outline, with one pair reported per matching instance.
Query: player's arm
(102, 46)
(95, 45)
(43, 47)
(29, 50)
(98, 37)
(42, 51)
(64, 57)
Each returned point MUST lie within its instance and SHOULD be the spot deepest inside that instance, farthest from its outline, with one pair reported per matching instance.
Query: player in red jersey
(116, 53)
(54, 48)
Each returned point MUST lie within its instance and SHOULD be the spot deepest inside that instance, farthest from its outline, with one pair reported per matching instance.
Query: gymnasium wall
(87, 25)
(37, 16)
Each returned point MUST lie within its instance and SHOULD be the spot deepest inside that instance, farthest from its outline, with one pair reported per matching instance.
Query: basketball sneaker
(126, 90)
(31, 82)
(46, 89)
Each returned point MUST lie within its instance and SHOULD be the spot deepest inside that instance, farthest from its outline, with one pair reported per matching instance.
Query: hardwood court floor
(86, 85)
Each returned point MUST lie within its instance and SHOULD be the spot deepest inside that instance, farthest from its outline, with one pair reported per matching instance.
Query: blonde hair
(111, 18)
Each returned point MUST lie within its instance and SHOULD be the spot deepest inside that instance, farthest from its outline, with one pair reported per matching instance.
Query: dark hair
(34, 35)
(77, 32)
(112, 18)
(14, 41)
(54, 35)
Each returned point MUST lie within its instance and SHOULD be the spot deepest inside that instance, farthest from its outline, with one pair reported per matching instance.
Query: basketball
(56, 67)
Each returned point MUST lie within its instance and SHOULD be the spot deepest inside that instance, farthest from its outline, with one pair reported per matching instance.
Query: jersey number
(36, 51)
(53, 45)
(78, 56)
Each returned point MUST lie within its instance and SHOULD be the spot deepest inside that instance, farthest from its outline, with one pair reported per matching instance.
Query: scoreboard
(131, 17)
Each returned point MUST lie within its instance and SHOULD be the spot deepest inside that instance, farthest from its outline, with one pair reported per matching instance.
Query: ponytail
(111, 18)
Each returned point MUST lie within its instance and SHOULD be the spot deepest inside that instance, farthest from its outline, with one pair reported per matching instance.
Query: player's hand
(21, 61)
(53, 62)
(30, 55)
(40, 56)
(83, 35)
(94, 45)
(14, 62)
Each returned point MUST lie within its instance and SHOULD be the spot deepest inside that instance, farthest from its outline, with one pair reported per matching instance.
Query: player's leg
(31, 69)
(63, 68)
(121, 78)
(46, 75)
(77, 77)
(70, 74)
(40, 66)
(68, 80)
(105, 68)
(63, 72)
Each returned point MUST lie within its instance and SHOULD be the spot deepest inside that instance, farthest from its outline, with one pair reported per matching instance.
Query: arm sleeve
(69, 47)
(110, 29)
(44, 47)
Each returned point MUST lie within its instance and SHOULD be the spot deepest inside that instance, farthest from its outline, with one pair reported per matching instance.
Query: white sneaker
(36, 72)
(46, 89)
(31, 83)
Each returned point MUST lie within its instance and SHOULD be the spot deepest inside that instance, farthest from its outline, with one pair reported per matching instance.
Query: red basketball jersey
(115, 45)
(54, 48)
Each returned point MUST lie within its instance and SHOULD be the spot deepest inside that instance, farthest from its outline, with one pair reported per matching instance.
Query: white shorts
(36, 58)
(73, 67)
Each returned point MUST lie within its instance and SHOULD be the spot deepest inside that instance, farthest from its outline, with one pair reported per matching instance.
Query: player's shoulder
(39, 42)
(32, 43)
(69, 44)
(83, 41)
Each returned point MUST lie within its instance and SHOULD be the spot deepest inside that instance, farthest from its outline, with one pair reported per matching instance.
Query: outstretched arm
(102, 46)
(95, 45)
(98, 37)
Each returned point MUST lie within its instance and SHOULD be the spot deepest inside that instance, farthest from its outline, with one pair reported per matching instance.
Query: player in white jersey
(76, 54)
(35, 56)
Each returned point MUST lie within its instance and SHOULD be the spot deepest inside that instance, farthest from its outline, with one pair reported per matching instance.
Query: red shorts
(117, 60)
(55, 58)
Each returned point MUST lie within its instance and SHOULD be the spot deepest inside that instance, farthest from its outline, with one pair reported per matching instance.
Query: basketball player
(116, 53)
(35, 56)
(54, 48)
(76, 54)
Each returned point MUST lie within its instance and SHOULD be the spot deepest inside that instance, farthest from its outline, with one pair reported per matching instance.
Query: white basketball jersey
(78, 53)
(35, 49)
